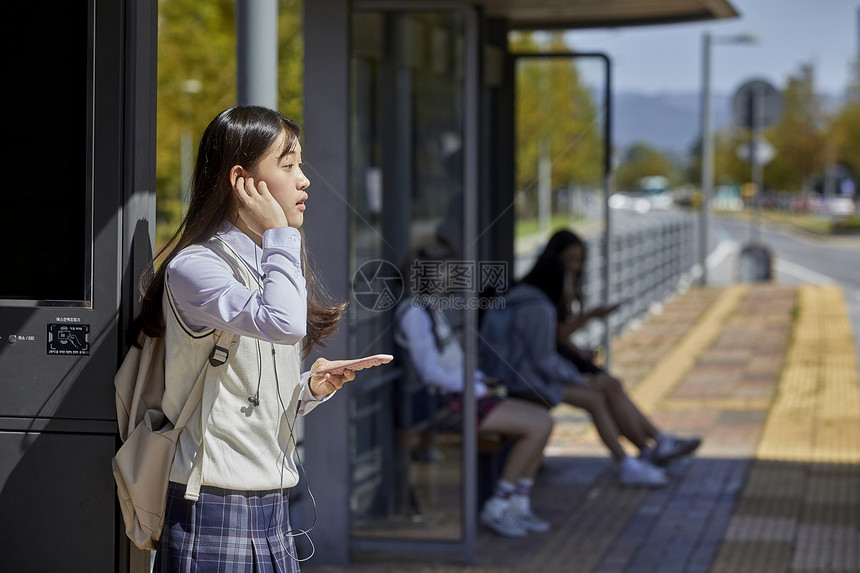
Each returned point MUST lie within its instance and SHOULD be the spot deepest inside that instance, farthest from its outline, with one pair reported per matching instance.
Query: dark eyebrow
(289, 148)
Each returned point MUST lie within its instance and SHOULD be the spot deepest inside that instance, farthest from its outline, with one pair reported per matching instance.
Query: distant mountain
(670, 121)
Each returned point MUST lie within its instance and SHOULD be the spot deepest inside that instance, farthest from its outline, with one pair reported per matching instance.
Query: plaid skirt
(226, 531)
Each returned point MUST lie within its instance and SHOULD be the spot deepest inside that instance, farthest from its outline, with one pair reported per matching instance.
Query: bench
(428, 426)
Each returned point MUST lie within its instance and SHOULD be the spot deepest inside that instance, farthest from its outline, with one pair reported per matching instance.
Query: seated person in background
(572, 250)
(519, 347)
(437, 356)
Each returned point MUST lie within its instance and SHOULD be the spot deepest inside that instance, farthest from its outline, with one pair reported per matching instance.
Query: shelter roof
(571, 14)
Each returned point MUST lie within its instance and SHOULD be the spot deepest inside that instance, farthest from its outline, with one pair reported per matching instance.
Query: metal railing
(652, 259)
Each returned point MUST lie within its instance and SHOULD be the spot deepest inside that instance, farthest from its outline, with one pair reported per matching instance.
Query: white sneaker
(506, 523)
(636, 471)
(533, 523)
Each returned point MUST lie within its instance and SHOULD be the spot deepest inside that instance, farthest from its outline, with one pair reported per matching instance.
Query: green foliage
(528, 227)
(729, 169)
(845, 136)
(850, 224)
(197, 80)
(291, 53)
(640, 160)
(553, 105)
(798, 137)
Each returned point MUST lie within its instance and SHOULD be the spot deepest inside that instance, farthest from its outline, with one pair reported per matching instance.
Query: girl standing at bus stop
(237, 264)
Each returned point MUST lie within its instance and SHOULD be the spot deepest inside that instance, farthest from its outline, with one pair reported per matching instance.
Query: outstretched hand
(327, 383)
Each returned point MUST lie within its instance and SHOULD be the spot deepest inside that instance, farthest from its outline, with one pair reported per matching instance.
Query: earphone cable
(291, 532)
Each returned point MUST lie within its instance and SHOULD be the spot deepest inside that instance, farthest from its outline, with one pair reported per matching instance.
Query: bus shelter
(409, 111)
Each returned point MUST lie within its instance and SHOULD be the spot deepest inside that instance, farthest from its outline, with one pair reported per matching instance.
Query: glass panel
(560, 159)
(406, 194)
(46, 213)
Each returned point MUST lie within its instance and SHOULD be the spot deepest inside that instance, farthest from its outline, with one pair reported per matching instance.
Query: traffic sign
(764, 152)
(756, 98)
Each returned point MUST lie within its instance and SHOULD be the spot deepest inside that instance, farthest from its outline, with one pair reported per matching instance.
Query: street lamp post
(707, 148)
(707, 145)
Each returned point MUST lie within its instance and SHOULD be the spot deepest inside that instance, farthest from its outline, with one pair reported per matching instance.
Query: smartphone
(337, 367)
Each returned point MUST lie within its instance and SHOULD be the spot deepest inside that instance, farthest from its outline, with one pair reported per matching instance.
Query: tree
(641, 160)
(845, 136)
(799, 137)
(844, 130)
(197, 80)
(729, 168)
(554, 105)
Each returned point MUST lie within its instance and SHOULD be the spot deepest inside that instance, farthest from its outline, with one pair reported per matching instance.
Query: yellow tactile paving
(683, 356)
(807, 457)
(815, 416)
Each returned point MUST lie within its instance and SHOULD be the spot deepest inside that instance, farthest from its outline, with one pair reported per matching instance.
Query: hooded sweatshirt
(520, 347)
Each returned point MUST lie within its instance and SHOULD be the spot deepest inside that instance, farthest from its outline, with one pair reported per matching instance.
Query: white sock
(501, 498)
(521, 498)
(522, 503)
(525, 483)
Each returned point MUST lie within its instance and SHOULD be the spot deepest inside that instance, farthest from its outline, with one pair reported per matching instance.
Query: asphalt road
(797, 258)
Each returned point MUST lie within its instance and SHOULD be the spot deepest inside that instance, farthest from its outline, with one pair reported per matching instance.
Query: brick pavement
(768, 375)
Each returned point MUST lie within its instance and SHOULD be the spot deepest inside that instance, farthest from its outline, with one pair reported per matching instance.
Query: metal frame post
(607, 179)
(257, 53)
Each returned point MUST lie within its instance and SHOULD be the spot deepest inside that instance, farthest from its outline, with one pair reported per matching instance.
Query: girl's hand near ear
(257, 208)
(325, 384)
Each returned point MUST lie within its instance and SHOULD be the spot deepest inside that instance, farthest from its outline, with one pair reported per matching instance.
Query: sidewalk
(767, 374)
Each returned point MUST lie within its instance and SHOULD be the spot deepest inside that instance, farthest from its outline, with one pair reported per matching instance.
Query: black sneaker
(671, 447)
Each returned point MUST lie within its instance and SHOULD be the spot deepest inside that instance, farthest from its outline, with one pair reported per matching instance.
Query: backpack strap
(223, 341)
(219, 356)
(196, 394)
(221, 350)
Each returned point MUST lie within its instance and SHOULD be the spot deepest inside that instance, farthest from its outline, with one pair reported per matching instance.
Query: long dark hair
(574, 292)
(547, 274)
(240, 135)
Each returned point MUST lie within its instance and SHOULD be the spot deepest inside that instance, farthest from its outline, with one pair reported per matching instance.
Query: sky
(668, 58)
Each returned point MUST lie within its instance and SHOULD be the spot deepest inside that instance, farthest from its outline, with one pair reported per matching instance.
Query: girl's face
(285, 179)
(573, 259)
